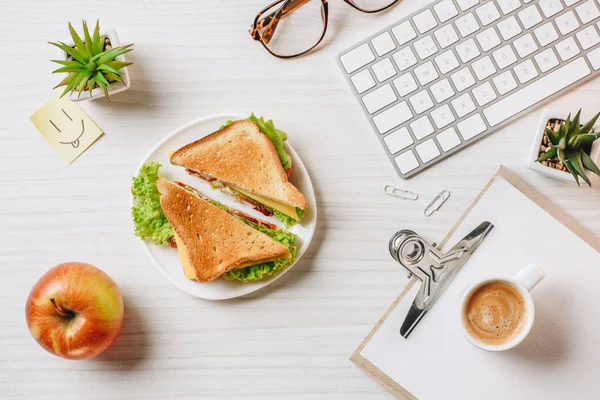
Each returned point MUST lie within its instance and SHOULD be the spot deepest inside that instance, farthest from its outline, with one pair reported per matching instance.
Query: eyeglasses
(292, 28)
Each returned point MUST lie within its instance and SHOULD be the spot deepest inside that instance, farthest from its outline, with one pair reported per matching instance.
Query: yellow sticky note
(66, 127)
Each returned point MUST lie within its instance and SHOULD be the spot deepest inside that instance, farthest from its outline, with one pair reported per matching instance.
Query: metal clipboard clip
(434, 269)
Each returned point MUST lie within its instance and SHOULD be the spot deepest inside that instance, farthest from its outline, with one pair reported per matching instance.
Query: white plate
(167, 259)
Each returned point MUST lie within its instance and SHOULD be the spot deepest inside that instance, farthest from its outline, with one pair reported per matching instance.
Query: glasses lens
(372, 5)
(300, 27)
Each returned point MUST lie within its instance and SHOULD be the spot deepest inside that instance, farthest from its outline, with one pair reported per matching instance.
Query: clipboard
(395, 387)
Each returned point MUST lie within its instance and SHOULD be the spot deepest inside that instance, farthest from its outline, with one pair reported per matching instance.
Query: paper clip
(399, 193)
(436, 203)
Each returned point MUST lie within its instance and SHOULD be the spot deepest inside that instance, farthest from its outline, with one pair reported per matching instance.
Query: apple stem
(63, 312)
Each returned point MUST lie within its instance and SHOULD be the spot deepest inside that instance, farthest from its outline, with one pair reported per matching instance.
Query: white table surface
(195, 58)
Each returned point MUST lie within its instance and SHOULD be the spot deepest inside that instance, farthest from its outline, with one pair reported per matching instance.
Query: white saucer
(167, 259)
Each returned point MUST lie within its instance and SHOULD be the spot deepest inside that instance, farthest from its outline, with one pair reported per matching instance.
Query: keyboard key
(530, 16)
(504, 83)
(484, 94)
(488, 39)
(483, 68)
(571, 2)
(588, 11)
(509, 28)
(504, 56)
(567, 49)
(448, 139)
(536, 92)
(384, 69)
(383, 44)
(466, 4)
(425, 47)
(550, 7)
(442, 90)
(363, 81)
(488, 13)
(425, 21)
(398, 140)
(566, 22)
(405, 84)
(421, 101)
(427, 151)
(426, 73)
(406, 162)
(421, 127)
(445, 10)
(446, 62)
(392, 117)
(467, 50)
(463, 105)
(467, 25)
(471, 127)
(462, 79)
(379, 98)
(588, 37)
(442, 116)
(446, 36)
(404, 33)
(546, 60)
(357, 58)
(405, 58)
(594, 57)
(525, 45)
(508, 6)
(546, 34)
(525, 71)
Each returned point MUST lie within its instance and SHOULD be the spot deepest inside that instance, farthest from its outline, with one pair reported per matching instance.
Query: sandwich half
(214, 240)
(242, 161)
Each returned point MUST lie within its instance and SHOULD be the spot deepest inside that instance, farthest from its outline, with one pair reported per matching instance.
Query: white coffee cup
(525, 280)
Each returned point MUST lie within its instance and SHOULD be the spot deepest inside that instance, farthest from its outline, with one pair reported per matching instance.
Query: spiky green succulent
(571, 144)
(92, 64)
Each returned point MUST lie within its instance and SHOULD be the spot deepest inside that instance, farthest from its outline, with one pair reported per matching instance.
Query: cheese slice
(283, 208)
(184, 256)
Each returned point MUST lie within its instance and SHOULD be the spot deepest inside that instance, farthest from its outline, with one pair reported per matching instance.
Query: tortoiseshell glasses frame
(267, 23)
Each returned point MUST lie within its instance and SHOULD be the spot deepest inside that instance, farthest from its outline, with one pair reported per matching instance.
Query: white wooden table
(195, 58)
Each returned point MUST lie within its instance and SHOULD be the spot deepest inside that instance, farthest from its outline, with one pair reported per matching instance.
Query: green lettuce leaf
(260, 271)
(149, 221)
(276, 136)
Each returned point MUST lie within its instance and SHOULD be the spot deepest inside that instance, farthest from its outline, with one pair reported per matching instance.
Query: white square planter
(113, 88)
(532, 164)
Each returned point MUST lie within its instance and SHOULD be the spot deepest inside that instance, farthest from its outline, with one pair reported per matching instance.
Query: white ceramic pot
(532, 164)
(113, 88)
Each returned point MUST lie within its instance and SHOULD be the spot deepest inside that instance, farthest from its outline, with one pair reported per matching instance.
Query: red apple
(75, 311)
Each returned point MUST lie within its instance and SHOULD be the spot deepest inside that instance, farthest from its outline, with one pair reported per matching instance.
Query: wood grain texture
(291, 340)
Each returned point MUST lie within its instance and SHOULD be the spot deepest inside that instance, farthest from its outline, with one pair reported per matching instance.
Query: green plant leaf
(561, 155)
(549, 154)
(590, 124)
(66, 62)
(575, 158)
(67, 68)
(572, 171)
(562, 143)
(70, 51)
(74, 82)
(116, 64)
(589, 164)
(113, 53)
(91, 85)
(103, 87)
(66, 81)
(552, 135)
(581, 141)
(78, 42)
(574, 127)
(97, 42)
(100, 78)
(112, 77)
(88, 39)
(81, 86)
(106, 68)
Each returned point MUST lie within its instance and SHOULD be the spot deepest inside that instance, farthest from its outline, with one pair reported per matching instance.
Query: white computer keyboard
(457, 70)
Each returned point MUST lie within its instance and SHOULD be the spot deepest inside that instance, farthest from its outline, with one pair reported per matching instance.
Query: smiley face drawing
(74, 142)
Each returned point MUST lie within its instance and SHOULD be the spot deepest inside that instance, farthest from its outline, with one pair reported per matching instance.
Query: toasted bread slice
(241, 157)
(210, 241)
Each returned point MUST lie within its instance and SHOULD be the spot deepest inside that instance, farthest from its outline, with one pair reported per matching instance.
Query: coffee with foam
(494, 313)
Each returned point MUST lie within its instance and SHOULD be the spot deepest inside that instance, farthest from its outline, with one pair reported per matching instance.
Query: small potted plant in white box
(95, 65)
(567, 150)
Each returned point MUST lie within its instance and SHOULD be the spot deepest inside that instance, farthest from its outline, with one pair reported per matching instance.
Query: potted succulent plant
(566, 149)
(95, 65)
